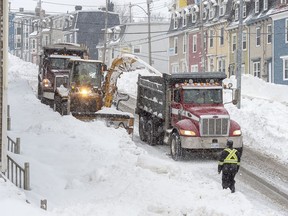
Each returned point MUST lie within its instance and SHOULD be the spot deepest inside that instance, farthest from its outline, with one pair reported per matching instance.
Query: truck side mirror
(177, 96)
(103, 68)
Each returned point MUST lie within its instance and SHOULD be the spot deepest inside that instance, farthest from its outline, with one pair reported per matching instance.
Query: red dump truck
(185, 111)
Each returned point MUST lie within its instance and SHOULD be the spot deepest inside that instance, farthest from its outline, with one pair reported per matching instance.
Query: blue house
(280, 45)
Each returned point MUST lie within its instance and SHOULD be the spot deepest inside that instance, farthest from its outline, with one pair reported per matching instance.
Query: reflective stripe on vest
(232, 157)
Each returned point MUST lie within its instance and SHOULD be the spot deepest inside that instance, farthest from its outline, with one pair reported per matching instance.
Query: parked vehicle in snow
(185, 111)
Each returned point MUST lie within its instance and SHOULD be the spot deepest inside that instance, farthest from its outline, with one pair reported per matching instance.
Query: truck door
(176, 107)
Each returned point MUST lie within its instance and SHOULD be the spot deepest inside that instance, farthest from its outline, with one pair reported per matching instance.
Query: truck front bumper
(210, 142)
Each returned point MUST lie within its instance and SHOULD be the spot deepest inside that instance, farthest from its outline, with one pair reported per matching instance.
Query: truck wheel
(150, 133)
(39, 92)
(175, 147)
(142, 129)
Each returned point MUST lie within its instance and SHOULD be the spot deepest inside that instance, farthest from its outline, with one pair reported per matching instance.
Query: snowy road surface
(85, 168)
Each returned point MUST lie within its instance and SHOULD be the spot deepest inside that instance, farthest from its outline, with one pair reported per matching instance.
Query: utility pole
(239, 55)
(105, 34)
(149, 31)
(40, 31)
(202, 38)
(130, 12)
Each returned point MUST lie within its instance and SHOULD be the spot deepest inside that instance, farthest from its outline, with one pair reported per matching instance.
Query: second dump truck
(185, 111)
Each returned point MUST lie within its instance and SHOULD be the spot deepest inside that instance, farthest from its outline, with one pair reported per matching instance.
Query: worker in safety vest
(229, 164)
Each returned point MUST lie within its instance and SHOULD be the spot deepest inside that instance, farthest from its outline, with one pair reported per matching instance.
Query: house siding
(280, 50)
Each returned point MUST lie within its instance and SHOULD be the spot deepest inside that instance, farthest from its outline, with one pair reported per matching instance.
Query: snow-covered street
(86, 168)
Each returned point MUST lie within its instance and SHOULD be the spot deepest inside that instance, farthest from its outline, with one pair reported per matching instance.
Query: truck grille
(215, 126)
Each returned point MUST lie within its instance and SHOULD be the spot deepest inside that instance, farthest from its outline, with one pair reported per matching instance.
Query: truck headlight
(237, 133)
(85, 91)
(187, 133)
(46, 83)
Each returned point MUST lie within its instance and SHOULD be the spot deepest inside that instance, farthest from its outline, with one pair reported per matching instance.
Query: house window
(256, 6)
(194, 68)
(205, 40)
(236, 13)
(175, 21)
(244, 11)
(285, 69)
(205, 14)
(234, 42)
(244, 40)
(184, 19)
(265, 4)
(221, 65)
(222, 8)
(256, 69)
(211, 12)
(258, 35)
(137, 49)
(175, 68)
(194, 43)
(175, 45)
(33, 44)
(46, 40)
(71, 38)
(211, 65)
(184, 66)
(269, 34)
(221, 39)
(211, 39)
(184, 43)
(194, 17)
(283, 1)
(286, 32)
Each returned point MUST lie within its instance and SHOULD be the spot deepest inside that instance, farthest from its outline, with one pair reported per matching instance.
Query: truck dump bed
(154, 91)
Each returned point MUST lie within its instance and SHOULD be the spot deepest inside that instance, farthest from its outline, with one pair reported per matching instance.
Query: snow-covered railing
(14, 146)
(18, 175)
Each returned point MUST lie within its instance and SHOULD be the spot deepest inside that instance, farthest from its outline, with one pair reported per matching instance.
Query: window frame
(184, 43)
(194, 43)
(234, 42)
(221, 37)
(258, 37)
(175, 45)
(211, 38)
(257, 73)
(286, 33)
(244, 35)
(285, 69)
(269, 34)
(265, 5)
(257, 6)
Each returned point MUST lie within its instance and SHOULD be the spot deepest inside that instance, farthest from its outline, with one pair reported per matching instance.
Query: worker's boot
(232, 188)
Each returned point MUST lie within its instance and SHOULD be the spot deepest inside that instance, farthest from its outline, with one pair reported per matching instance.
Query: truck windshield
(59, 63)
(87, 73)
(203, 96)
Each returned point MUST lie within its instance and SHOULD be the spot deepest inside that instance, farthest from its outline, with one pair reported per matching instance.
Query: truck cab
(185, 111)
(53, 68)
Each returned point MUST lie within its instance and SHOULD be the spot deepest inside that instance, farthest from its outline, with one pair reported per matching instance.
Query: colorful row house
(203, 36)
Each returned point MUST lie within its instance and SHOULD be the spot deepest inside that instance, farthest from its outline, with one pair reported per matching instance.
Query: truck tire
(142, 128)
(175, 147)
(150, 133)
(39, 92)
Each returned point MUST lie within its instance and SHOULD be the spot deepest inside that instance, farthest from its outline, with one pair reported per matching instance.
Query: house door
(269, 69)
